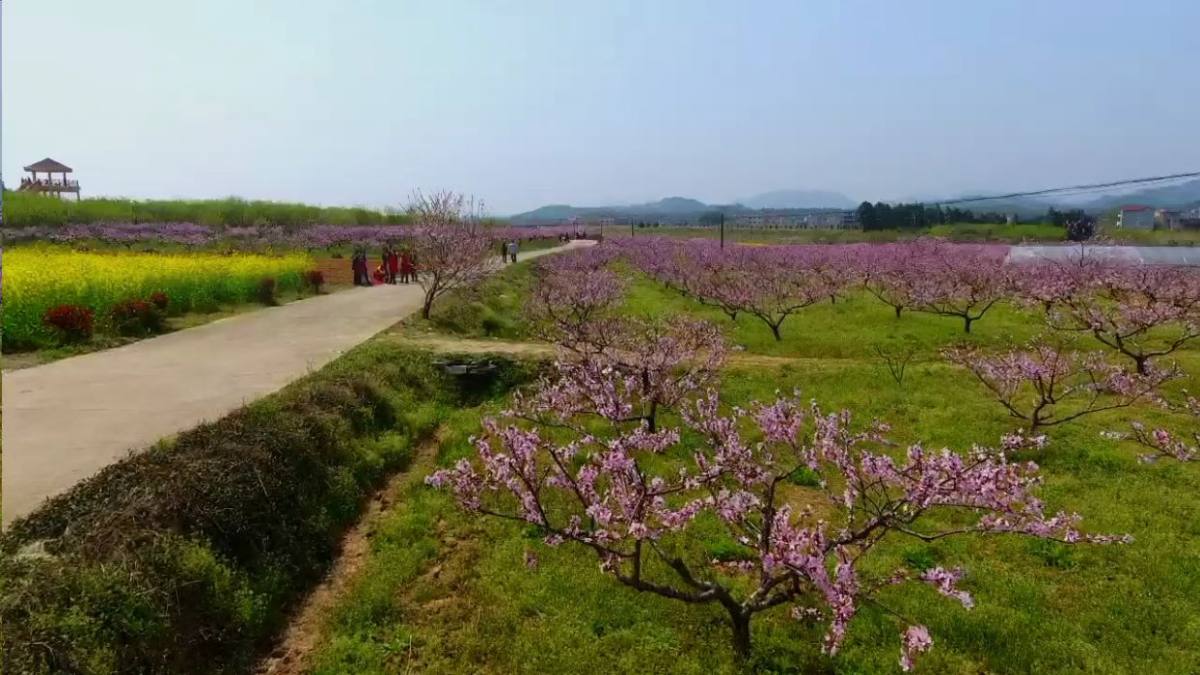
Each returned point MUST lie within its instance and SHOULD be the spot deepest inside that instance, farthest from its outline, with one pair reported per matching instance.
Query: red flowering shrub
(73, 323)
(266, 291)
(136, 317)
(160, 300)
(314, 279)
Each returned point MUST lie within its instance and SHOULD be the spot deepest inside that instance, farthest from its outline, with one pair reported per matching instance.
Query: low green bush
(185, 557)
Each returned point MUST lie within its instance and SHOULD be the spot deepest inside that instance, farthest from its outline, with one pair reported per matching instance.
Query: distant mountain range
(684, 209)
(560, 212)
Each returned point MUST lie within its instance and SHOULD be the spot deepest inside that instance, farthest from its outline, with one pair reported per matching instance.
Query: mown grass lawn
(447, 592)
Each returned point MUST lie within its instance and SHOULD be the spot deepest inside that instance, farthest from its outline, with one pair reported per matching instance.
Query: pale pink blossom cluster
(1161, 443)
(916, 640)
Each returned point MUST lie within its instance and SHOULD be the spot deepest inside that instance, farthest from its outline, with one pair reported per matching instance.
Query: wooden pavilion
(49, 184)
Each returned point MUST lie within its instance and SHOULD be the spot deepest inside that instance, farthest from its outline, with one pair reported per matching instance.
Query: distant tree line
(1078, 224)
(884, 216)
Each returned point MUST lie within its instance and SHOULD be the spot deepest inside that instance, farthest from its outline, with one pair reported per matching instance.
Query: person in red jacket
(393, 265)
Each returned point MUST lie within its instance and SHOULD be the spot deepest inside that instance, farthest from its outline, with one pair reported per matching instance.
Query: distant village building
(828, 220)
(1190, 219)
(1168, 219)
(49, 184)
(1135, 217)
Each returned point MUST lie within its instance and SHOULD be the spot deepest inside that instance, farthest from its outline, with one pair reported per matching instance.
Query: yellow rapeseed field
(38, 278)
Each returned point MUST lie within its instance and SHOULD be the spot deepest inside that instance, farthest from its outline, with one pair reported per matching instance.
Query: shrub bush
(314, 279)
(135, 317)
(160, 300)
(72, 323)
(186, 557)
(265, 292)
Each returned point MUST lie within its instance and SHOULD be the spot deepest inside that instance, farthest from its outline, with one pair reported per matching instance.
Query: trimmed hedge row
(186, 557)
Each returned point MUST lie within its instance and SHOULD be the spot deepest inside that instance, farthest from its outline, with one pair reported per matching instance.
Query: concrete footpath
(66, 420)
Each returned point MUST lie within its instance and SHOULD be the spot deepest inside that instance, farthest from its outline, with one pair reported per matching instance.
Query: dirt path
(66, 420)
(307, 625)
(450, 344)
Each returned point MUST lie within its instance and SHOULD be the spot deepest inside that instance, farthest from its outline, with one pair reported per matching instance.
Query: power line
(1073, 188)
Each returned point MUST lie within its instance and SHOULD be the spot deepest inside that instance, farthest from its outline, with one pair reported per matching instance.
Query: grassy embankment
(187, 557)
(445, 592)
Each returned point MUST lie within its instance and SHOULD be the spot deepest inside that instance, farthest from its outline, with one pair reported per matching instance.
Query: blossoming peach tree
(577, 460)
(1160, 443)
(1045, 385)
(1140, 311)
(450, 248)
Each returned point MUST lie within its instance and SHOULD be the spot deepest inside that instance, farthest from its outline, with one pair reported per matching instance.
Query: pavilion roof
(49, 166)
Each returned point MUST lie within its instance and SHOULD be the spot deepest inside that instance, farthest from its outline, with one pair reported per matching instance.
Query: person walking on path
(359, 264)
(512, 250)
(407, 268)
(393, 265)
(383, 263)
(503, 251)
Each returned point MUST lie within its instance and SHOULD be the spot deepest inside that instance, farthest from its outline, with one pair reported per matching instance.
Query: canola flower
(40, 277)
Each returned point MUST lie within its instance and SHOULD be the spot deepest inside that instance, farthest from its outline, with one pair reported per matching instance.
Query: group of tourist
(395, 266)
(508, 251)
(565, 238)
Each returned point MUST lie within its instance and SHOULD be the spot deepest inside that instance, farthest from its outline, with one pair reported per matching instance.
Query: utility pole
(722, 230)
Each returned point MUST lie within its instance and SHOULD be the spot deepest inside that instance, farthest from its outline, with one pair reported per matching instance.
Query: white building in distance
(1135, 217)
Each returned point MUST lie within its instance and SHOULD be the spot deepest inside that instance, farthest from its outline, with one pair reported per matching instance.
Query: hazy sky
(524, 103)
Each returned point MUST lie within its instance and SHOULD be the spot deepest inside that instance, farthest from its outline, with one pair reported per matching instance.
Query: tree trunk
(775, 332)
(967, 324)
(740, 622)
(1143, 364)
(426, 308)
(898, 312)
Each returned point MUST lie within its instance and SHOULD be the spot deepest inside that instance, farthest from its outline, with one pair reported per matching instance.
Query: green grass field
(445, 592)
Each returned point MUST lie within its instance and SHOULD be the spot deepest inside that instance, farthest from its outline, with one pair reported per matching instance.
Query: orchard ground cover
(965, 232)
(445, 591)
(1011, 234)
